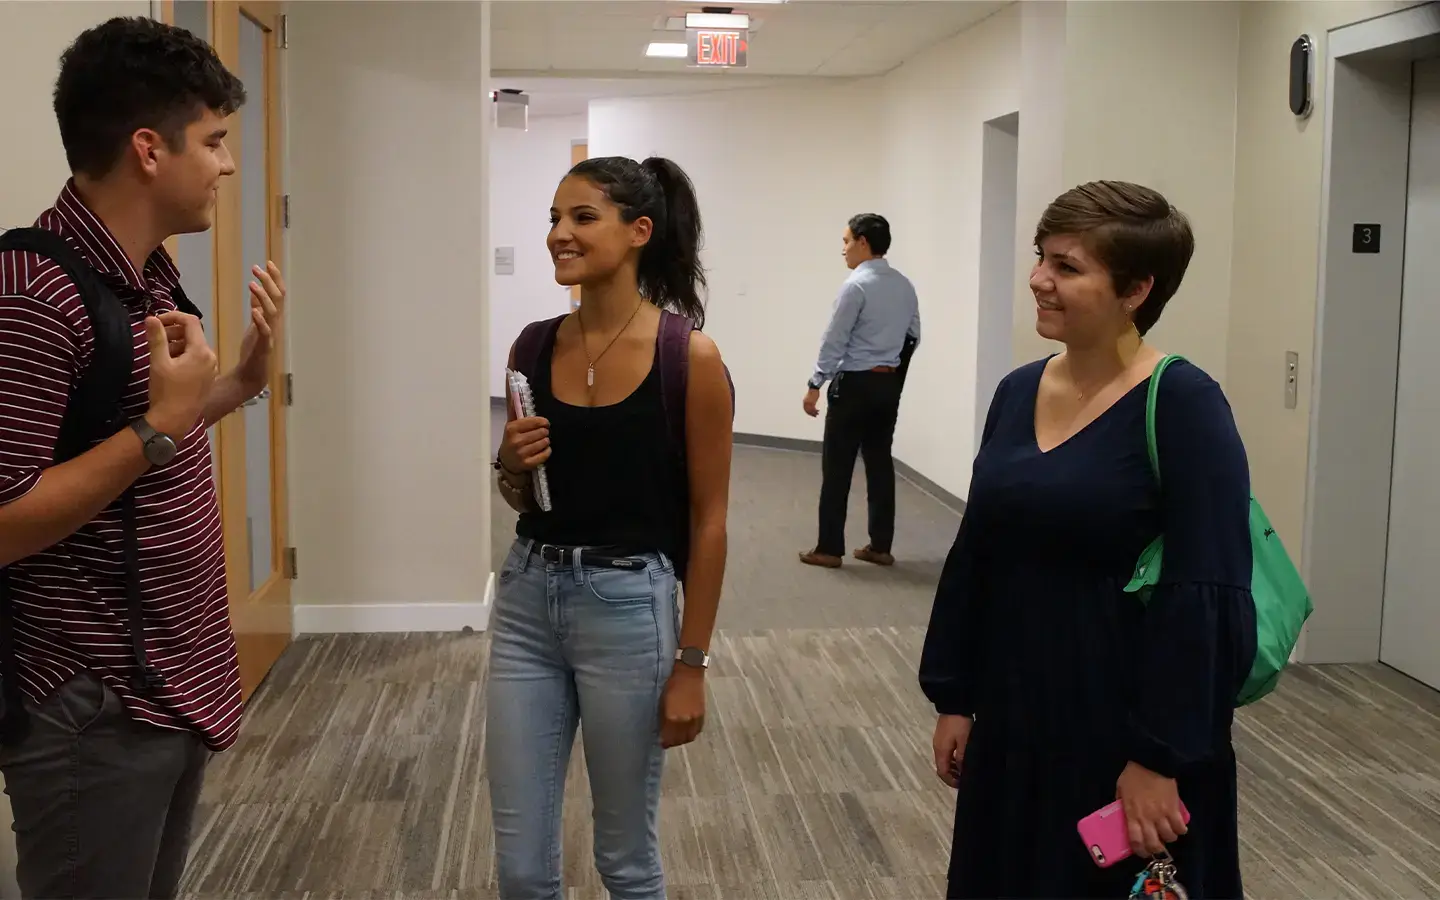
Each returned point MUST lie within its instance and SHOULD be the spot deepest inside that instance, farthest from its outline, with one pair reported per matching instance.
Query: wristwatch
(693, 657)
(159, 448)
(812, 385)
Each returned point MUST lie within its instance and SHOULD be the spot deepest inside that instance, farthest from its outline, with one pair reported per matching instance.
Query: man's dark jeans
(103, 804)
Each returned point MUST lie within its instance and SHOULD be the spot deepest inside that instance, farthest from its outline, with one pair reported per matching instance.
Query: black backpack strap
(146, 678)
(93, 413)
(182, 302)
(14, 722)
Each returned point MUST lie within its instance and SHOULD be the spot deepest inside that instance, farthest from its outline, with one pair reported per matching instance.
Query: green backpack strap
(1147, 567)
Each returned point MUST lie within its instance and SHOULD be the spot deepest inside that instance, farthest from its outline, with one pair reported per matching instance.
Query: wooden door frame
(256, 609)
(172, 246)
(260, 614)
(579, 152)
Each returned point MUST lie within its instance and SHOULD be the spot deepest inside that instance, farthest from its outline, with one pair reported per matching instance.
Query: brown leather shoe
(866, 554)
(823, 560)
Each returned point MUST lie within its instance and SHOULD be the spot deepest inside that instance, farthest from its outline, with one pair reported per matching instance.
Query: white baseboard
(367, 618)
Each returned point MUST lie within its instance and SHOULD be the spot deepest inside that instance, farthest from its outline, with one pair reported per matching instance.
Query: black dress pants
(859, 419)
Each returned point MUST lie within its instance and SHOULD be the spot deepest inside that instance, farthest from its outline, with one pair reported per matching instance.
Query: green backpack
(1282, 604)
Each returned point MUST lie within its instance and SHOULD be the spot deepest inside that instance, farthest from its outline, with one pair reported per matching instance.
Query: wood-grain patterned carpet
(359, 771)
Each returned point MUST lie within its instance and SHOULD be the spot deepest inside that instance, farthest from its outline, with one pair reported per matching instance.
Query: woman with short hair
(1057, 691)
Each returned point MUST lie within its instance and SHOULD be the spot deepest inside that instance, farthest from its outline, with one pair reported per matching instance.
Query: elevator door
(1410, 633)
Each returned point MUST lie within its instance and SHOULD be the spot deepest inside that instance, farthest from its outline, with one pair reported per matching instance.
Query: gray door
(1410, 633)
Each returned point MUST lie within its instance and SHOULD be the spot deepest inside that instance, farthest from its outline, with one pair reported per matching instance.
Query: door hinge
(289, 563)
(282, 36)
(285, 211)
(289, 389)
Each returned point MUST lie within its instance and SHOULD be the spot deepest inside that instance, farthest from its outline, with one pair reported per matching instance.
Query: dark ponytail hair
(670, 273)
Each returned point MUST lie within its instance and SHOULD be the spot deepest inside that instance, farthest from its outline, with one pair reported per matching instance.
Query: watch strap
(144, 430)
(159, 448)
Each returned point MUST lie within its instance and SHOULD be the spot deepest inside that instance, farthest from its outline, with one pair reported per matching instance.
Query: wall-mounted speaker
(1302, 75)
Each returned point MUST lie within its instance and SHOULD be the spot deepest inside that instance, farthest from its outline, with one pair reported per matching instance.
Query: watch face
(693, 656)
(159, 450)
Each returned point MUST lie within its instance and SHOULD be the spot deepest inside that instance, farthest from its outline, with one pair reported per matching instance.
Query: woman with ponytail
(587, 628)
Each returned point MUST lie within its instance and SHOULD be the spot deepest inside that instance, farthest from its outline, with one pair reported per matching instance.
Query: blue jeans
(573, 643)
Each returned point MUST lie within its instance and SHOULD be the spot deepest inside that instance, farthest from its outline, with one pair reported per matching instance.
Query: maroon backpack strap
(531, 343)
(674, 352)
(674, 359)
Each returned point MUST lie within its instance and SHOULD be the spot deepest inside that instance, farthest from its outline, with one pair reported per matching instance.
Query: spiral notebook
(524, 403)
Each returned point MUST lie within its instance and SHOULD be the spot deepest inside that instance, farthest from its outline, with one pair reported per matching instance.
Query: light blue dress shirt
(876, 310)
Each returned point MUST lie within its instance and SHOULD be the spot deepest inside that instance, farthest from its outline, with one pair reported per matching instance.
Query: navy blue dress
(1067, 676)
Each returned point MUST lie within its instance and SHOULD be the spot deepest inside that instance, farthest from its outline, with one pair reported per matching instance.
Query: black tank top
(615, 481)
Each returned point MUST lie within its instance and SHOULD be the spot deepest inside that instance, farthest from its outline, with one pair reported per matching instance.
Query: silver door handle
(263, 395)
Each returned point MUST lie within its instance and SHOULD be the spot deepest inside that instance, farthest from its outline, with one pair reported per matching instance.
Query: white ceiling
(598, 46)
(557, 95)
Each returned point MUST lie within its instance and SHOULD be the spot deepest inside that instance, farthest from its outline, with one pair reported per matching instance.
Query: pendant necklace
(585, 342)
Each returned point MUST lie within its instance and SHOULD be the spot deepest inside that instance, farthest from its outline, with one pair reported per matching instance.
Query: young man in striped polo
(121, 655)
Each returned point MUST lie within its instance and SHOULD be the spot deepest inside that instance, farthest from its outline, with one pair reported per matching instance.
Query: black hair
(131, 73)
(874, 229)
(670, 273)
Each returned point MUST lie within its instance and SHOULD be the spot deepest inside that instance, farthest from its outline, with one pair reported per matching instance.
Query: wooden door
(195, 253)
(579, 152)
(249, 230)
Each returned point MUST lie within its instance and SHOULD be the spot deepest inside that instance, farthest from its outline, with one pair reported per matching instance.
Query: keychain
(1157, 882)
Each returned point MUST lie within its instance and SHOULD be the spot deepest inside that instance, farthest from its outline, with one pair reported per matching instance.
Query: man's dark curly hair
(133, 73)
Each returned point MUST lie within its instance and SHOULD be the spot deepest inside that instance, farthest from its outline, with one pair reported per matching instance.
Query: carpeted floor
(358, 774)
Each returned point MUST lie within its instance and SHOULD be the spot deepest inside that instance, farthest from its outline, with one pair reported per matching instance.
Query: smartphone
(1107, 835)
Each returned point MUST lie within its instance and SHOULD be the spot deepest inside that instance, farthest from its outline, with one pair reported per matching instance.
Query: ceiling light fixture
(667, 50)
(731, 21)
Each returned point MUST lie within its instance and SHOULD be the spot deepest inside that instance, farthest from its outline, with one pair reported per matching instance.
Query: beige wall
(32, 37)
(389, 454)
(934, 108)
(1161, 113)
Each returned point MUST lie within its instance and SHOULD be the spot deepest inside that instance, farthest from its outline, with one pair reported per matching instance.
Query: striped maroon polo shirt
(69, 600)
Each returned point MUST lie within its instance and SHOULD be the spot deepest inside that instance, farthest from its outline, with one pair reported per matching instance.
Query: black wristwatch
(158, 448)
(812, 385)
(693, 657)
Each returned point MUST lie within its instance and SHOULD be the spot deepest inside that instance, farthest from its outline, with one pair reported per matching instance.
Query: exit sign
(717, 47)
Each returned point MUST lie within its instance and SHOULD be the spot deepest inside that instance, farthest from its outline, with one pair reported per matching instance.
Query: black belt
(605, 557)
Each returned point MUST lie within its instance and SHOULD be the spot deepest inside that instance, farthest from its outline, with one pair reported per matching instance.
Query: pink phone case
(1107, 836)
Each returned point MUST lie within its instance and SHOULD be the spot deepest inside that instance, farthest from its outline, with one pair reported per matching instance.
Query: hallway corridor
(358, 774)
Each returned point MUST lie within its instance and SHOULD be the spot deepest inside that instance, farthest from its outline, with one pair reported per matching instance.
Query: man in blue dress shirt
(874, 328)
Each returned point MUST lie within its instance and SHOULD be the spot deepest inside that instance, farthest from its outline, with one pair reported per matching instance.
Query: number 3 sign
(1366, 239)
